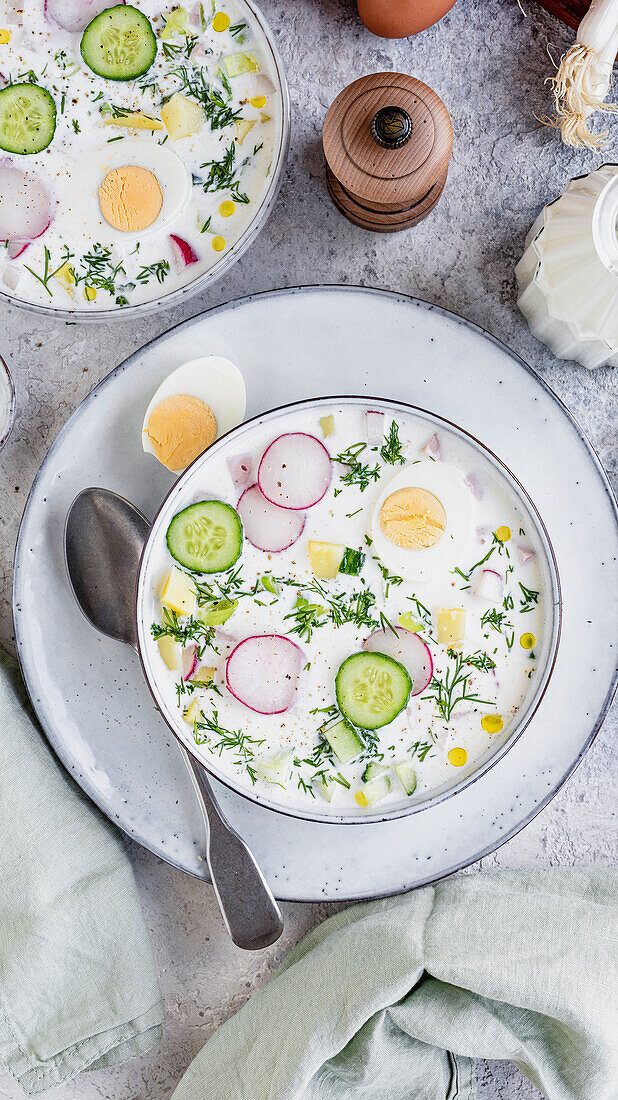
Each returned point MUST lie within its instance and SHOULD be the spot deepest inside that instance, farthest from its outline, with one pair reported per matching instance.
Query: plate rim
(409, 301)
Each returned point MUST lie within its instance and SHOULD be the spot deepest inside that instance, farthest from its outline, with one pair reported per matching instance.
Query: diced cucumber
(237, 63)
(345, 743)
(374, 771)
(373, 792)
(407, 776)
(119, 43)
(352, 562)
(372, 689)
(205, 537)
(275, 769)
(218, 613)
(325, 790)
(27, 118)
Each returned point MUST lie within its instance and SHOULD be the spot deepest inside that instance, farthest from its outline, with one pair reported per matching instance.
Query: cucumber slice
(119, 43)
(237, 63)
(345, 743)
(205, 537)
(372, 689)
(406, 776)
(27, 118)
(352, 562)
(374, 771)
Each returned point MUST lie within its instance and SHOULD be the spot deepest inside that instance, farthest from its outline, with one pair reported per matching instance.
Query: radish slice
(482, 534)
(24, 206)
(475, 485)
(182, 251)
(374, 427)
(74, 15)
(262, 673)
(240, 467)
(295, 471)
(525, 554)
(266, 526)
(189, 661)
(489, 586)
(16, 247)
(406, 647)
(432, 447)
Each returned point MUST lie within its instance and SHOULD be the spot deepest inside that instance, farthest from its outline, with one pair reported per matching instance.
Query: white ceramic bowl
(247, 237)
(189, 487)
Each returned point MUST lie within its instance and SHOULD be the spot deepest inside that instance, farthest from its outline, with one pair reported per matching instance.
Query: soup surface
(116, 189)
(375, 619)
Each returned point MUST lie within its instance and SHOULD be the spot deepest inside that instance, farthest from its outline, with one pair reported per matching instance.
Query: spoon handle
(249, 909)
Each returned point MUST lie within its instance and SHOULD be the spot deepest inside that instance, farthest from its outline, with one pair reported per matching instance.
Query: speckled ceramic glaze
(290, 345)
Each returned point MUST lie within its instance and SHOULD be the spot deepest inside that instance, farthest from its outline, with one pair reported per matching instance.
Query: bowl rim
(7, 427)
(219, 269)
(556, 624)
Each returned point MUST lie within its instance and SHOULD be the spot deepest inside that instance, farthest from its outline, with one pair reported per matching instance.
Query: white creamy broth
(443, 737)
(99, 266)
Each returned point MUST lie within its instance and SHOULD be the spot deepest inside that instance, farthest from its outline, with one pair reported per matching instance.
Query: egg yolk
(130, 198)
(180, 428)
(412, 518)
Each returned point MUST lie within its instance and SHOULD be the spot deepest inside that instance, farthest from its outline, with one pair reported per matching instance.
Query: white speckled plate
(89, 693)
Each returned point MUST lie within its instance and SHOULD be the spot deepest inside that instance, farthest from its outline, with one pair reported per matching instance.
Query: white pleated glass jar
(568, 274)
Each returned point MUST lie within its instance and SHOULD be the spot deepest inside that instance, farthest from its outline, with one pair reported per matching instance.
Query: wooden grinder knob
(387, 141)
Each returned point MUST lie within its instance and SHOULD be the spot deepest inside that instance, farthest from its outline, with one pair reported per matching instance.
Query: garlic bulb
(585, 73)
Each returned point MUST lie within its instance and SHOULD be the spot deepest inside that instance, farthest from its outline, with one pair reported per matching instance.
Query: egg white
(79, 201)
(430, 563)
(215, 380)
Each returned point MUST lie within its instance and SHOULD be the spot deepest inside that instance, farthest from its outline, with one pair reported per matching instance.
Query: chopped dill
(358, 473)
(391, 450)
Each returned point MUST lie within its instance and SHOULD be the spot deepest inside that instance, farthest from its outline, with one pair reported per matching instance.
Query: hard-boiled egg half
(196, 403)
(126, 188)
(422, 522)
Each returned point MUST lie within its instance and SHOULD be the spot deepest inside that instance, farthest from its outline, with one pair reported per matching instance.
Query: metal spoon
(103, 541)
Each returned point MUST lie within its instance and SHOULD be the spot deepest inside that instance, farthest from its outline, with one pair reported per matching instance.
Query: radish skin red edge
(189, 661)
(262, 672)
(406, 647)
(184, 255)
(295, 471)
(266, 526)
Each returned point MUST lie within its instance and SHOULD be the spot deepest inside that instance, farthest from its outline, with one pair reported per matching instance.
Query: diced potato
(182, 116)
(192, 713)
(171, 652)
(204, 675)
(325, 558)
(327, 424)
(243, 126)
(237, 63)
(451, 626)
(66, 276)
(178, 593)
(134, 120)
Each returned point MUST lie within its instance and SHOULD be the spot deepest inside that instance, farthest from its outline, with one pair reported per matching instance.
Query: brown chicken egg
(401, 18)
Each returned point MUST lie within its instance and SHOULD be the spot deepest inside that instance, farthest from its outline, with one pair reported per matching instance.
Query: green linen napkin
(392, 1000)
(78, 988)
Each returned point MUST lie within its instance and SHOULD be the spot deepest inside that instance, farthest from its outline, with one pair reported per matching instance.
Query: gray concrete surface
(488, 59)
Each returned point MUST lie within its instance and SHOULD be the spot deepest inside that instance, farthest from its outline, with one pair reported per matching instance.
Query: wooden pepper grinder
(387, 141)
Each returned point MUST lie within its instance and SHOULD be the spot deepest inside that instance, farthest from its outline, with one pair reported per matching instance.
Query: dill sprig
(208, 730)
(159, 270)
(392, 448)
(358, 473)
(222, 175)
(422, 613)
(228, 587)
(194, 83)
(454, 688)
(530, 600)
(495, 619)
(191, 630)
